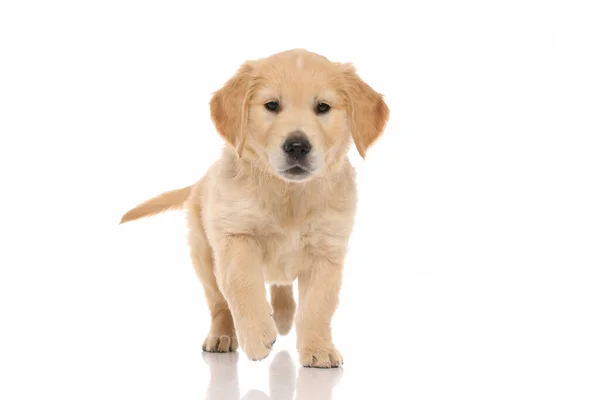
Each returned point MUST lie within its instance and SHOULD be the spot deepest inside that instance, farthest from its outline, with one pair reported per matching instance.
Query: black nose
(297, 146)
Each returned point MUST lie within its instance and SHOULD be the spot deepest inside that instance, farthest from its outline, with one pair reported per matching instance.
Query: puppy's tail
(171, 200)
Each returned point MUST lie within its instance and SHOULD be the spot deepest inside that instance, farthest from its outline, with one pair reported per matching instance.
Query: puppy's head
(295, 113)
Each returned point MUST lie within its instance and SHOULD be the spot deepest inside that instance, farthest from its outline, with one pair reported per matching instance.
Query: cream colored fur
(249, 225)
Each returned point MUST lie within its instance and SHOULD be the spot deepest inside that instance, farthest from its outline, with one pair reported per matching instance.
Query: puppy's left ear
(367, 110)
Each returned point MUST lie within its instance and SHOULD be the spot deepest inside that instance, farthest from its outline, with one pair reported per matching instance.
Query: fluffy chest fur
(292, 224)
(283, 256)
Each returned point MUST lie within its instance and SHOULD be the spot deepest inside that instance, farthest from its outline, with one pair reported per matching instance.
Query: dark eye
(322, 108)
(272, 106)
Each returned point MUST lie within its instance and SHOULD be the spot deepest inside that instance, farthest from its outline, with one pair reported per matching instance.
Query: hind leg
(284, 307)
(221, 336)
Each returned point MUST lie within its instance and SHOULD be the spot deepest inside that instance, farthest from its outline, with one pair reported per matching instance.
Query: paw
(220, 344)
(284, 318)
(324, 357)
(257, 338)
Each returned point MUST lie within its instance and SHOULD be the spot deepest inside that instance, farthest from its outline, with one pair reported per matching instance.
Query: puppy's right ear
(229, 108)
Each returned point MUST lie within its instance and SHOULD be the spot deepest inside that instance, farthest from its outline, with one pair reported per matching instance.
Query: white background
(473, 267)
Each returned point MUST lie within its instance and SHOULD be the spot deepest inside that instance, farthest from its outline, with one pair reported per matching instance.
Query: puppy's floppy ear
(366, 108)
(229, 108)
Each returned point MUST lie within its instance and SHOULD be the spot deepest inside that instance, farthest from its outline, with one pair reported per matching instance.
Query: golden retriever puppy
(279, 204)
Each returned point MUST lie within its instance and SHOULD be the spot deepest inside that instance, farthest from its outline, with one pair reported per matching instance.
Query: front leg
(240, 277)
(318, 286)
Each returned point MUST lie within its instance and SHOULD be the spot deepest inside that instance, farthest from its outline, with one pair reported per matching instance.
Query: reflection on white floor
(284, 379)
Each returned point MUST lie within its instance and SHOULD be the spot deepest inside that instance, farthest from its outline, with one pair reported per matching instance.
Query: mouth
(296, 170)
(295, 173)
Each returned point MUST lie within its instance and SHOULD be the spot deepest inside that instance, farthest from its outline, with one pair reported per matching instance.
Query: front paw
(320, 357)
(257, 337)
